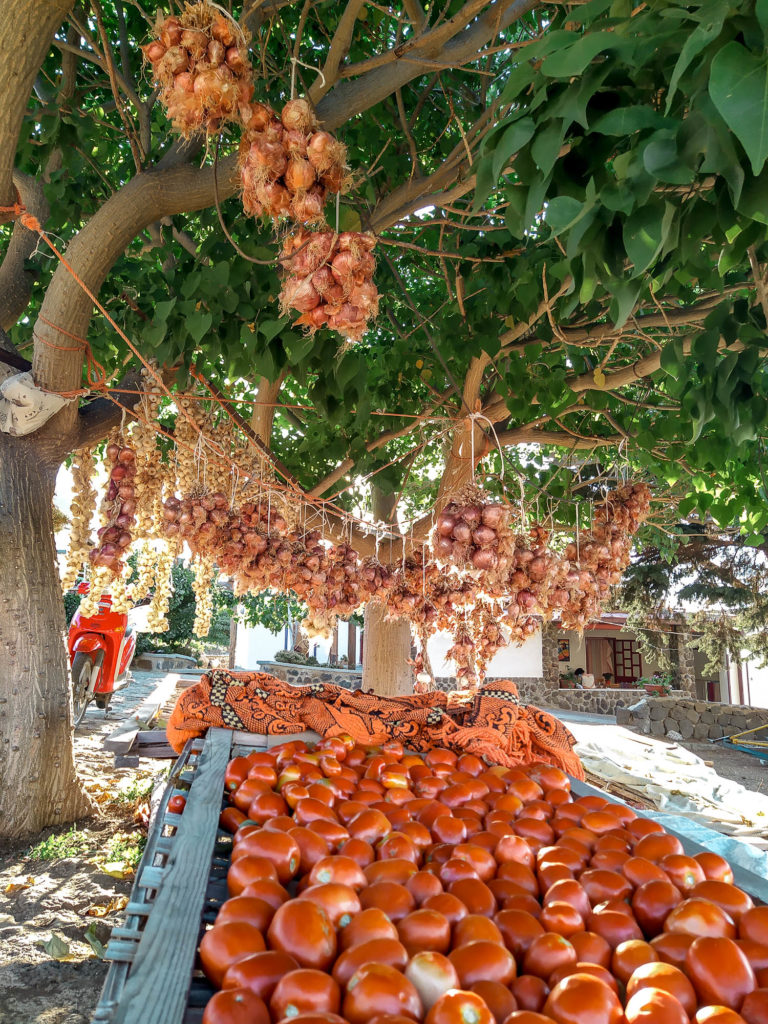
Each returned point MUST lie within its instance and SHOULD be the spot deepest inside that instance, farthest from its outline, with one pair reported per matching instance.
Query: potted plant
(659, 684)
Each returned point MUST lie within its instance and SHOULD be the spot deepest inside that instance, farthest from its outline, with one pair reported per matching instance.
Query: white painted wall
(514, 662)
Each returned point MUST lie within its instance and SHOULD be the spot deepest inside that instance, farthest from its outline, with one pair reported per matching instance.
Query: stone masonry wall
(303, 675)
(691, 719)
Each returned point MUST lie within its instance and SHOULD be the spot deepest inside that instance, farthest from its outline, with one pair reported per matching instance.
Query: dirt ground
(56, 914)
(61, 891)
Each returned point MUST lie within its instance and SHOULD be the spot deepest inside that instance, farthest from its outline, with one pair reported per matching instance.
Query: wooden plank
(157, 987)
(144, 714)
(755, 885)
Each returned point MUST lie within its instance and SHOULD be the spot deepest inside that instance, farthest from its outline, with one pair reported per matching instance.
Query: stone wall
(691, 719)
(303, 675)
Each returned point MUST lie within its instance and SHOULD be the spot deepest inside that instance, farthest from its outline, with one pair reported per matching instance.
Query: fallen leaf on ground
(117, 869)
(56, 947)
(90, 937)
(18, 886)
(102, 909)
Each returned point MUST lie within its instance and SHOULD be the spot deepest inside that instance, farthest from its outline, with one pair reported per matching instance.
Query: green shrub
(294, 658)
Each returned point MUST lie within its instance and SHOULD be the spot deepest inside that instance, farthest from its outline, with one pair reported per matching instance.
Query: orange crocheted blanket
(489, 722)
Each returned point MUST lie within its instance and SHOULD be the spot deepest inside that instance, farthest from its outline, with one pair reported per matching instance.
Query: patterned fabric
(490, 722)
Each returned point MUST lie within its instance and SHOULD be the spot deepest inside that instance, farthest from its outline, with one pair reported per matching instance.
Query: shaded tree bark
(36, 752)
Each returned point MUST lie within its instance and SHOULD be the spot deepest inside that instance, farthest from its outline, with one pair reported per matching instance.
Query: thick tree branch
(29, 26)
(529, 435)
(15, 280)
(337, 51)
(96, 419)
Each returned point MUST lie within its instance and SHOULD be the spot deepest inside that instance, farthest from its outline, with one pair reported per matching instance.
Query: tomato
(383, 951)
(700, 917)
(417, 833)
(756, 953)
(546, 953)
(459, 1007)
(422, 885)
(235, 1006)
(719, 971)
(359, 851)
(268, 890)
(615, 926)
(609, 860)
(341, 869)
(378, 988)
(340, 902)
(600, 822)
(559, 916)
(628, 956)
(369, 825)
(244, 794)
(583, 999)
(657, 846)
(475, 927)
(304, 991)
(569, 891)
(754, 1009)
(654, 1006)
(246, 908)
(591, 948)
(456, 870)
(475, 895)
(715, 867)
(312, 847)
(424, 930)
(304, 930)
(717, 1015)
(527, 1017)
(601, 885)
(652, 904)
(236, 773)
(483, 961)
(521, 876)
(231, 819)
(393, 899)
(672, 947)
(447, 829)
(278, 847)
(666, 977)
(595, 970)
(644, 827)
(753, 925)
(735, 902)
(537, 833)
(529, 991)
(496, 997)
(225, 944)
(369, 924)
(514, 848)
(259, 972)
(518, 929)
(396, 870)
(639, 870)
(245, 870)
(682, 871)
(448, 904)
(431, 974)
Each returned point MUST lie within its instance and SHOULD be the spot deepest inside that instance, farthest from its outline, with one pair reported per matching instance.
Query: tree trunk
(386, 643)
(386, 649)
(38, 784)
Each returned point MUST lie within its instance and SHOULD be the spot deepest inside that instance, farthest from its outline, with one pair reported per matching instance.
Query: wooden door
(627, 661)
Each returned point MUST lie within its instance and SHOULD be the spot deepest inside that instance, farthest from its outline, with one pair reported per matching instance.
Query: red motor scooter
(101, 648)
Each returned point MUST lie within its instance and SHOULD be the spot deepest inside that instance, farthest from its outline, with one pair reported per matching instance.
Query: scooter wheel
(82, 667)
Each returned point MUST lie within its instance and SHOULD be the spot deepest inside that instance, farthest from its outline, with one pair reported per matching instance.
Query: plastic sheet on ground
(673, 779)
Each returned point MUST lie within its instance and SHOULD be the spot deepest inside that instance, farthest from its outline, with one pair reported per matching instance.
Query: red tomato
(431, 974)
(246, 791)
(312, 847)
(278, 847)
(448, 904)
(595, 970)
(236, 773)
(715, 867)
(304, 991)
(225, 944)
(601, 885)
(475, 895)
(496, 997)
(231, 819)
(340, 902)
(369, 825)
(378, 988)
(754, 1009)
(717, 1015)
(672, 947)
(359, 851)
(177, 803)
(559, 916)
(546, 953)
(304, 930)
(396, 870)
(657, 846)
(654, 1006)
(720, 972)
(753, 925)
(628, 956)
(700, 917)
(424, 930)
(527, 1017)
(251, 909)
(583, 999)
(341, 869)
(569, 891)
(268, 890)
(652, 904)
(369, 924)
(666, 977)
(483, 961)
(422, 885)
(615, 926)
(591, 948)
(390, 897)
(260, 972)
(459, 1007)
(518, 929)
(682, 871)
(735, 902)
(521, 876)
(382, 951)
(529, 991)
(235, 1006)
(476, 927)
(245, 870)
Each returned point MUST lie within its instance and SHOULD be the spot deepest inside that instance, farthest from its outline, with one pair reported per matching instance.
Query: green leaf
(271, 328)
(546, 146)
(198, 324)
(297, 346)
(562, 212)
(570, 62)
(514, 138)
(672, 358)
(623, 302)
(349, 219)
(738, 85)
(96, 945)
(704, 33)
(56, 947)
(644, 234)
(162, 310)
(661, 159)
(626, 120)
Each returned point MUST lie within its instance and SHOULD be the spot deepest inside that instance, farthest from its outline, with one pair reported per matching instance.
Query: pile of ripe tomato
(372, 886)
